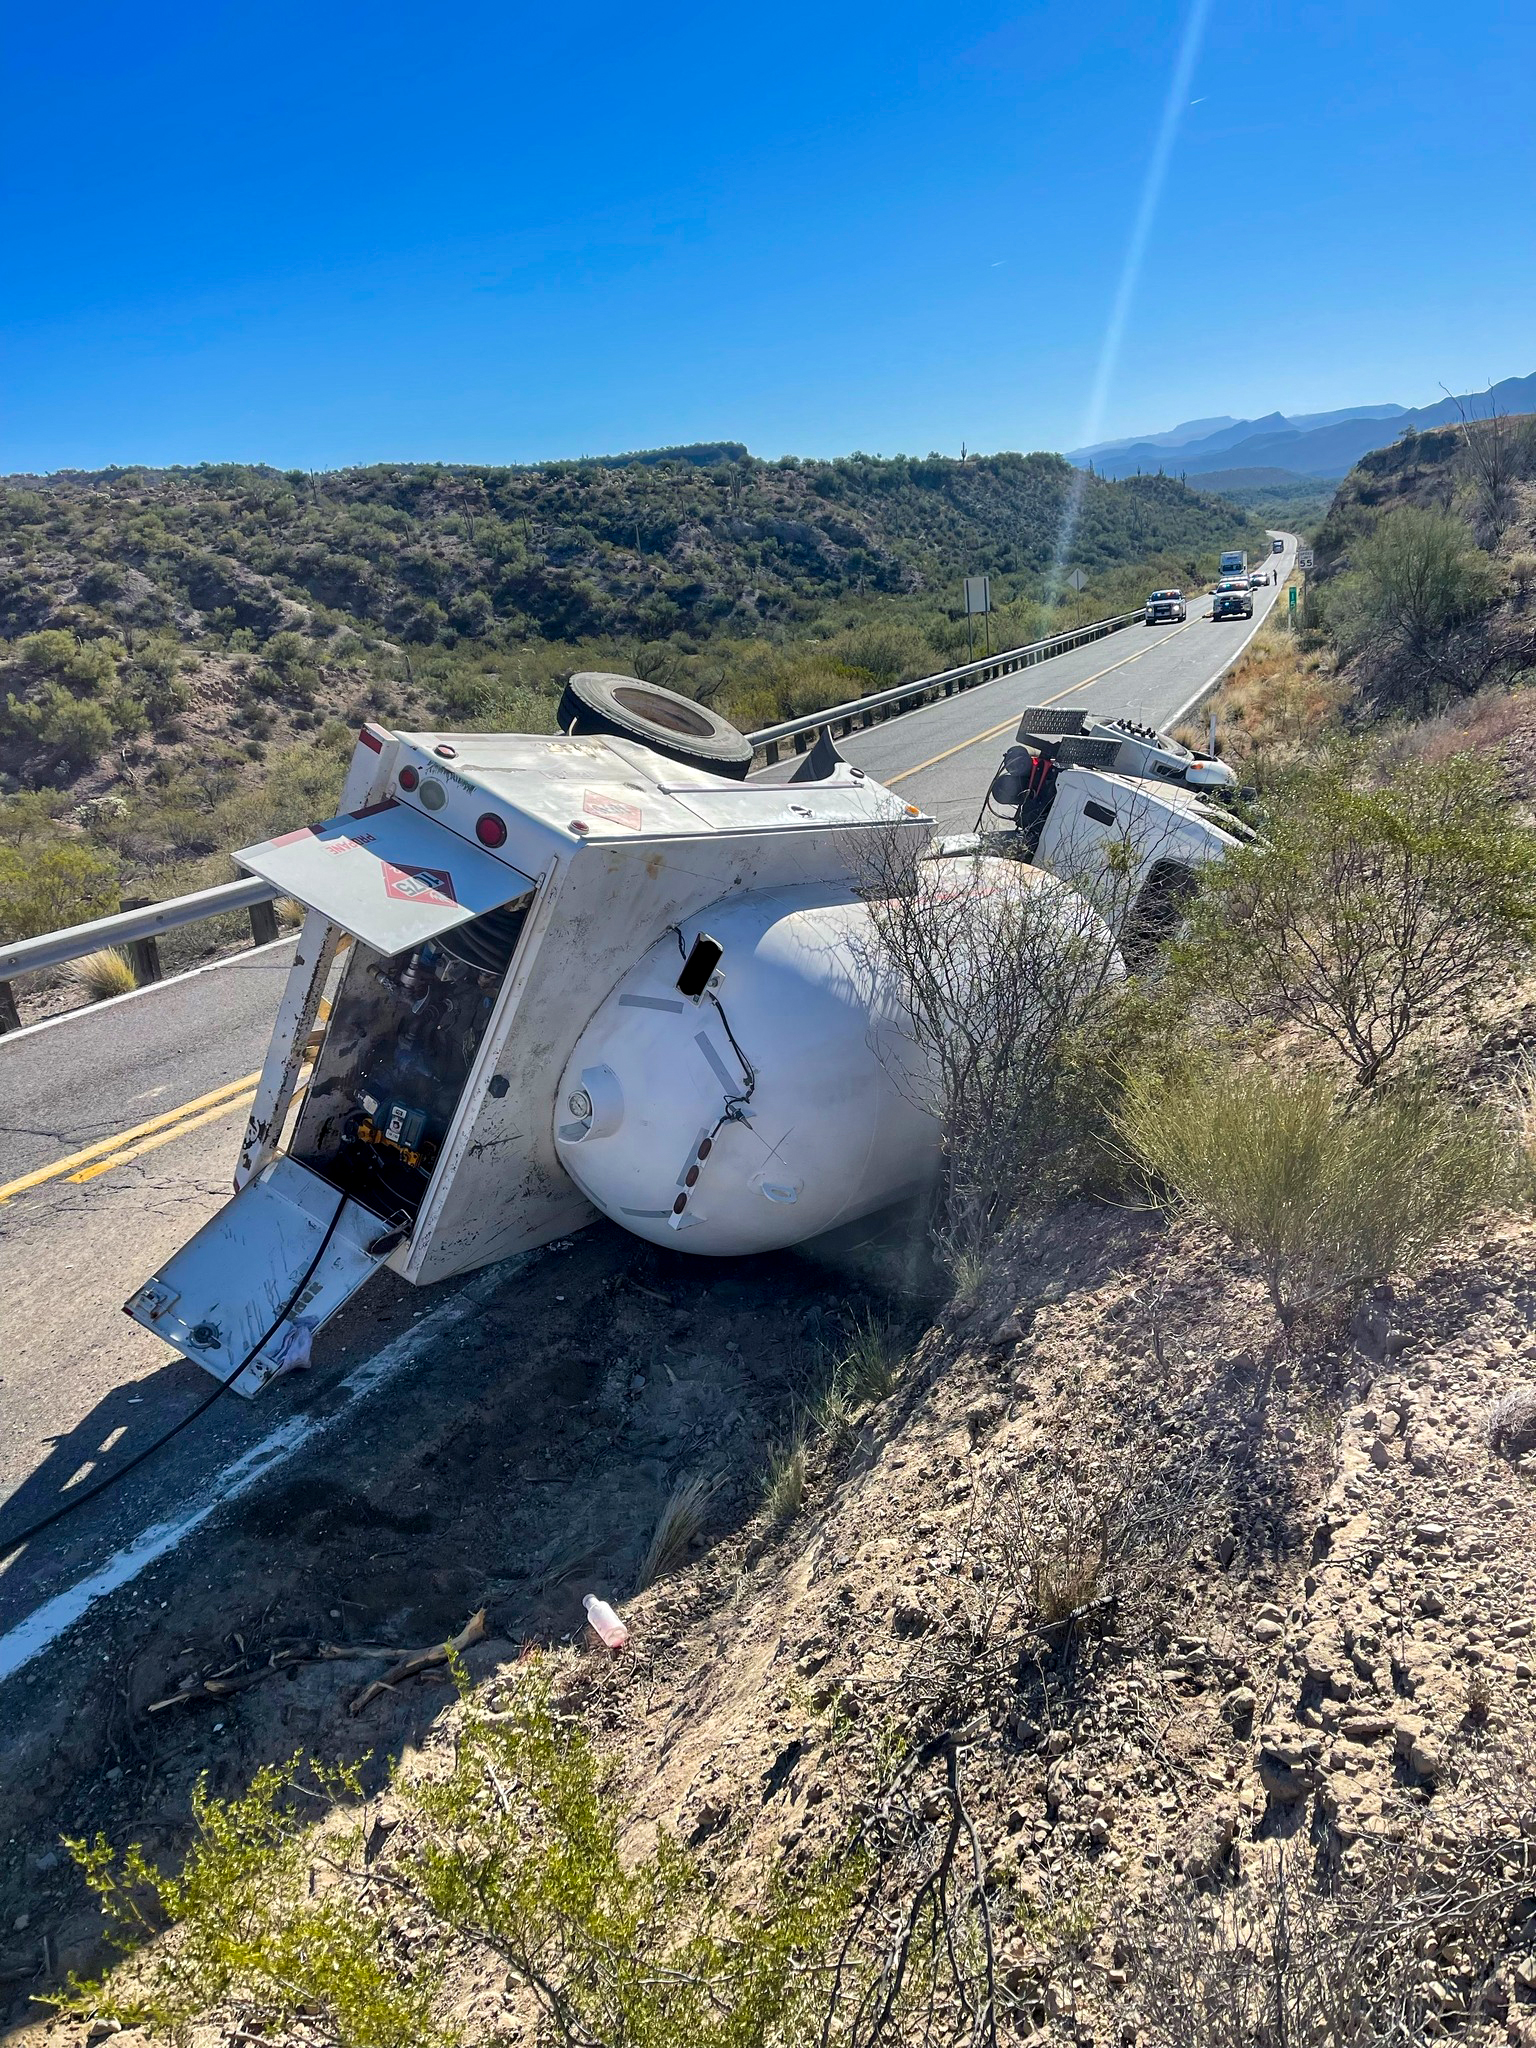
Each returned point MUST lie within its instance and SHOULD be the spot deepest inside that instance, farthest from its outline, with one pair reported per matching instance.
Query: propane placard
(386, 874)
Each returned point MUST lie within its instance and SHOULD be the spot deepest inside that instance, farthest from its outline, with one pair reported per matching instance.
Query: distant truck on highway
(1234, 562)
(546, 977)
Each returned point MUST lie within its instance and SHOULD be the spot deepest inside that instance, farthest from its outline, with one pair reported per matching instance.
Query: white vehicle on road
(1232, 599)
(1165, 607)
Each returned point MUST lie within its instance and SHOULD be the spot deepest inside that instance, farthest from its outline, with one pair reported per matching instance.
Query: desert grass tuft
(784, 1486)
(678, 1523)
(106, 972)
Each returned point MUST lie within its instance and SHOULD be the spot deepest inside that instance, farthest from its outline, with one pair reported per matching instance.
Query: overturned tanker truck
(540, 977)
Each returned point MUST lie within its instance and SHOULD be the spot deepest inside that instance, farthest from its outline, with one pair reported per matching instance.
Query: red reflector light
(409, 778)
(491, 830)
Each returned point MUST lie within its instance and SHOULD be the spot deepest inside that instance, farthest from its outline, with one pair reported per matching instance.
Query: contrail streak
(1174, 107)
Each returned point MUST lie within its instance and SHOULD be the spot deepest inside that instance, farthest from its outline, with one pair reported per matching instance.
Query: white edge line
(150, 988)
(29, 1637)
(1211, 681)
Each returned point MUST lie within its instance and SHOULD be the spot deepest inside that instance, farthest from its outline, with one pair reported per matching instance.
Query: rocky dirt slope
(1201, 1609)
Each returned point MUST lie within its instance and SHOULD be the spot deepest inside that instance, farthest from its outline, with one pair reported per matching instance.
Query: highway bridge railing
(137, 929)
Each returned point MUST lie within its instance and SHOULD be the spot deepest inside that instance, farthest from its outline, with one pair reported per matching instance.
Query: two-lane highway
(943, 756)
(119, 1128)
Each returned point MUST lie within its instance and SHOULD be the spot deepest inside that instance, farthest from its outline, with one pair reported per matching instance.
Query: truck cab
(1125, 814)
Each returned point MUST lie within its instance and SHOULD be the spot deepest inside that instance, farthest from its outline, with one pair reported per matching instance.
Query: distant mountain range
(1320, 444)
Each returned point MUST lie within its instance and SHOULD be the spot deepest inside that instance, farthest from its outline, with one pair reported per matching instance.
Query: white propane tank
(786, 1099)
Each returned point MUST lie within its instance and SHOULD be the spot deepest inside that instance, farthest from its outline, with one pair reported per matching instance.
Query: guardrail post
(263, 923)
(144, 953)
(10, 1016)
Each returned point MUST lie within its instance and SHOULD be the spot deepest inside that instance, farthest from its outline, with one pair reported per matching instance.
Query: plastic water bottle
(605, 1623)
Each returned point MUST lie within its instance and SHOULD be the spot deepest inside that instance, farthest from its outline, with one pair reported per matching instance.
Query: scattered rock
(1365, 1727)
(1417, 1748)
(1288, 1763)
(1207, 1843)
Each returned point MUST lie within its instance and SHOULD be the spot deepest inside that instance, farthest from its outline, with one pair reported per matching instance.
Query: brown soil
(1330, 1646)
(521, 1468)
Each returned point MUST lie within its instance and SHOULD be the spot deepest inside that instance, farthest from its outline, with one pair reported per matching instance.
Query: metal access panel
(387, 874)
(263, 1275)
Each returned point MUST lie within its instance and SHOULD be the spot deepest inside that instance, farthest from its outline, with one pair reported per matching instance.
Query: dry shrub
(1511, 1423)
(1478, 725)
(1404, 1953)
(1277, 703)
(1371, 915)
(1328, 1197)
(106, 972)
(989, 971)
(1522, 1110)
(784, 1483)
(1098, 1533)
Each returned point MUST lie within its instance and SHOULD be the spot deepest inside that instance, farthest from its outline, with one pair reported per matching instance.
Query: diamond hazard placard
(418, 885)
(613, 808)
(388, 875)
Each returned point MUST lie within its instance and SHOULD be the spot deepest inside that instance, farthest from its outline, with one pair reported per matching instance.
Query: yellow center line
(993, 730)
(224, 1097)
(153, 1144)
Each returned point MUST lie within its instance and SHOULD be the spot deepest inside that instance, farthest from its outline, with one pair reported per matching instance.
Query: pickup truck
(1232, 599)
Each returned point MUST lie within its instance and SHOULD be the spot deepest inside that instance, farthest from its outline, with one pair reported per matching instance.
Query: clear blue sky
(322, 234)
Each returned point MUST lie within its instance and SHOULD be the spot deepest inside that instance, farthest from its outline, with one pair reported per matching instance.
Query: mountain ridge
(1307, 444)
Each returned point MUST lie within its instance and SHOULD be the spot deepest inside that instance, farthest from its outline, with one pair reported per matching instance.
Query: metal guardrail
(137, 929)
(872, 710)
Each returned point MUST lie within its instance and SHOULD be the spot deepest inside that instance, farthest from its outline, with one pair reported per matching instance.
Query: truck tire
(625, 708)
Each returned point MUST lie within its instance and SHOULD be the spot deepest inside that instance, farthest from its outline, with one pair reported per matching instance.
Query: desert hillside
(1092, 1608)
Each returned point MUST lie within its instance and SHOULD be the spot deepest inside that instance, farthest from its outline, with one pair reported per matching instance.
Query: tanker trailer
(541, 978)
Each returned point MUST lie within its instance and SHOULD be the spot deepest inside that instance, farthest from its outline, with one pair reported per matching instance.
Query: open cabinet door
(387, 874)
(261, 1276)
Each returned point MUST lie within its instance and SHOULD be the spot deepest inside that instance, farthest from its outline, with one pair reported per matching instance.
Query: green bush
(81, 665)
(1417, 574)
(1369, 915)
(1327, 1197)
(248, 1935)
(44, 887)
(517, 1853)
(75, 731)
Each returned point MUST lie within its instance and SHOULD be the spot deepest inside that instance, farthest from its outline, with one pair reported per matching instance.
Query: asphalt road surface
(120, 1125)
